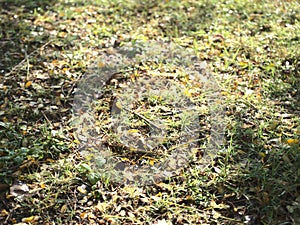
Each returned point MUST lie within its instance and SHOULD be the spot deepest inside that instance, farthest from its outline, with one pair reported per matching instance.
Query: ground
(251, 49)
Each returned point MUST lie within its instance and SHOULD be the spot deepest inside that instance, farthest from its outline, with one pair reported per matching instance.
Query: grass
(252, 50)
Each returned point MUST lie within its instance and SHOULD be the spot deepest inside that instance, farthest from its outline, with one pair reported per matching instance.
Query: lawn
(233, 134)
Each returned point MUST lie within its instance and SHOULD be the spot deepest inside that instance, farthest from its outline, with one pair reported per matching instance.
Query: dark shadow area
(264, 180)
(177, 20)
(19, 34)
(25, 128)
(285, 91)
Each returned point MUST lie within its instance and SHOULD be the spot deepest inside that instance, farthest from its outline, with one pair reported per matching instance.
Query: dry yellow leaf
(130, 214)
(4, 213)
(119, 105)
(101, 64)
(49, 160)
(30, 219)
(82, 189)
(243, 64)
(101, 206)
(91, 216)
(83, 215)
(63, 209)
(133, 131)
(28, 84)
(292, 141)
(151, 162)
(216, 215)
(62, 34)
(76, 141)
(187, 92)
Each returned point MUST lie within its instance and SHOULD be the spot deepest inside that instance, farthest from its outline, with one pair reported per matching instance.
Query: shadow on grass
(25, 133)
(19, 36)
(264, 169)
(285, 89)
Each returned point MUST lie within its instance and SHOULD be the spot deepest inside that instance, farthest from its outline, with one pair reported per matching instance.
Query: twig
(51, 126)
(247, 103)
(14, 168)
(143, 118)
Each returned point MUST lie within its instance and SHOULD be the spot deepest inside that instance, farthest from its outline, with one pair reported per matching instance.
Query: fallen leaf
(19, 189)
(292, 141)
(83, 215)
(101, 206)
(82, 189)
(42, 185)
(131, 215)
(216, 215)
(4, 213)
(63, 208)
(30, 219)
(162, 222)
(28, 84)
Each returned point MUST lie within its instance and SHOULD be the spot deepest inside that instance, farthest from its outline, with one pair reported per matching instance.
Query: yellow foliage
(28, 84)
(292, 141)
(30, 219)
